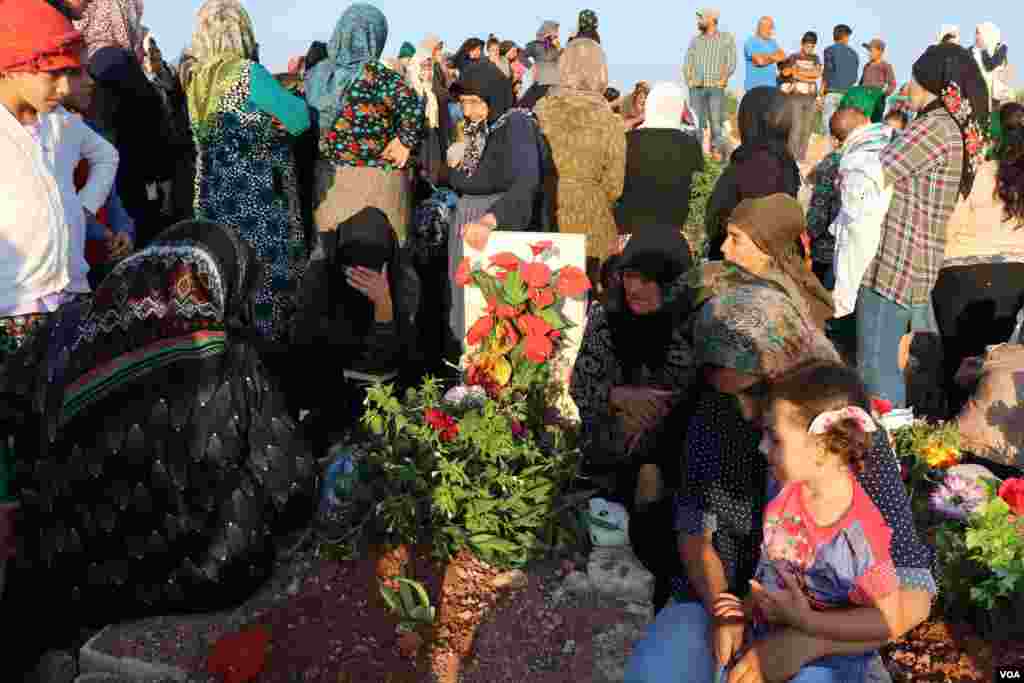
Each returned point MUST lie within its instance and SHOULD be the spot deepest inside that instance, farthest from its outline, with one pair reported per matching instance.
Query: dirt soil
(936, 651)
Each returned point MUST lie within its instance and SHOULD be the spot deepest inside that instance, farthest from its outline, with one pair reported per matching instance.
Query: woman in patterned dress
(588, 147)
(242, 120)
(370, 123)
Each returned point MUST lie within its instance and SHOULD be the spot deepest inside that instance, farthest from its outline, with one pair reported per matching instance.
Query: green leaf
(419, 589)
(515, 289)
(391, 598)
(408, 596)
(553, 318)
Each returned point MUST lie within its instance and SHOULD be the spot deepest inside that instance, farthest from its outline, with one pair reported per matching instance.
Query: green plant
(467, 471)
(995, 539)
(410, 603)
(700, 192)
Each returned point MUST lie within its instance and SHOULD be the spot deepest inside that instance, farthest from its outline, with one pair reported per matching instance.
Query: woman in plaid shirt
(929, 167)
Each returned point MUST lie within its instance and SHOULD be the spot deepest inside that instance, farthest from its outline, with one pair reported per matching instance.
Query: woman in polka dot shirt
(752, 333)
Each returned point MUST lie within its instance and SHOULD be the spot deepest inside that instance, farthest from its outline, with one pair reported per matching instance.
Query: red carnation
(536, 274)
(572, 282)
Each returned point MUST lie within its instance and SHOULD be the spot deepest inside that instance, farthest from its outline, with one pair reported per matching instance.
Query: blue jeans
(829, 106)
(708, 104)
(676, 650)
(881, 324)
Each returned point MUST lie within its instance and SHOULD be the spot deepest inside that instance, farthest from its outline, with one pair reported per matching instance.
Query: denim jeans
(881, 324)
(676, 650)
(830, 106)
(708, 105)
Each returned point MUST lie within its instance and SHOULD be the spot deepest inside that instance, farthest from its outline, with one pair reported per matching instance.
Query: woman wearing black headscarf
(157, 464)
(356, 312)
(761, 166)
(496, 169)
(130, 109)
(470, 53)
(632, 383)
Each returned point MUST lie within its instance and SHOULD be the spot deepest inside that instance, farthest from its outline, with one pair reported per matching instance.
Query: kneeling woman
(162, 464)
(356, 311)
(631, 382)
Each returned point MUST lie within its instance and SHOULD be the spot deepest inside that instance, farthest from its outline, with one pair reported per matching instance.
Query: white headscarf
(665, 106)
(945, 30)
(991, 35)
(424, 89)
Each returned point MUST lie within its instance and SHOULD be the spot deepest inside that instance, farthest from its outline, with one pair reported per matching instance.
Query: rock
(609, 649)
(409, 644)
(577, 583)
(569, 648)
(512, 580)
(645, 611)
(92, 660)
(615, 572)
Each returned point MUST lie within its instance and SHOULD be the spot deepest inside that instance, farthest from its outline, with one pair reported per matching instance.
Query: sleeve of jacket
(603, 434)
(614, 180)
(269, 96)
(103, 160)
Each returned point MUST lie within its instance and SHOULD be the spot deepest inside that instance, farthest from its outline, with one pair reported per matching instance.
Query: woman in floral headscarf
(748, 333)
(242, 120)
(370, 122)
(588, 147)
(113, 23)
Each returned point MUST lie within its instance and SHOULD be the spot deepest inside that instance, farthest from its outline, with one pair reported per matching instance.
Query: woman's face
(788, 449)
(474, 108)
(641, 102)
(979, 40)
(492, 51)
(741, 250)
(512, 55)
(474, 54)
(426, 71)
(643, 295)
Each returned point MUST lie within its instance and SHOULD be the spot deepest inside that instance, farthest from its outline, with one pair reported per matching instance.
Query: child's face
(895, 122)
(789, 450)
(44, 90)
(809, 48)
(876, 54)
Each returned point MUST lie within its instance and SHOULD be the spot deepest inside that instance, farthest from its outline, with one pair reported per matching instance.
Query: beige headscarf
(583, 70)
(423, 88)
(223, 44)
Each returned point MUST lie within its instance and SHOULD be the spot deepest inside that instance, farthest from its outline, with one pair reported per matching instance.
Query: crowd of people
(199, 259)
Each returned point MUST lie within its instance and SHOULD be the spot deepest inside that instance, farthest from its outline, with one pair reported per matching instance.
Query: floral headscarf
(752, 325)
(951, 72)
(583, 70)
(358, 39)
(112, 23)
(223, 44)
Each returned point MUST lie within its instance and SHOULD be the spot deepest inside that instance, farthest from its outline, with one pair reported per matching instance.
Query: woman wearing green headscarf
(242, 120)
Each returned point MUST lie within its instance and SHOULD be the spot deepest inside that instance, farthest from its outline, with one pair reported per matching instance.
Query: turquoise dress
(246, 179)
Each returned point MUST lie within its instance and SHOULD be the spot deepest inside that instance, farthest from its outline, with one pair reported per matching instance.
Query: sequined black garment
(165, 485)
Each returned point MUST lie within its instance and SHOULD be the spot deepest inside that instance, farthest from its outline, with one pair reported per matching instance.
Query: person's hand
(788, 607)
(645, 405)
(120, 245)
(371, 284)
(477, 234)
(775, 658)
(396, 153)
(456, 153)
(726, 638)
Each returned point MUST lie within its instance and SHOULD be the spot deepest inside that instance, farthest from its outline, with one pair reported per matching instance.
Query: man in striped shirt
(710, 63)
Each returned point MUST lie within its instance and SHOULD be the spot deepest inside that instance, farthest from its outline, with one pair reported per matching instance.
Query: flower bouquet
(925, 451)
(512, 345)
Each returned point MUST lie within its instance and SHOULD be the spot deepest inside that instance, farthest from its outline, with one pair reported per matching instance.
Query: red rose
(506, 260)
(881, 406)
(531, 325)
(481, 328)
(536, 275)
(1012, 491)
(542, 298)
(539, 248)
(462, 273)
(572, 282)
(538, 348)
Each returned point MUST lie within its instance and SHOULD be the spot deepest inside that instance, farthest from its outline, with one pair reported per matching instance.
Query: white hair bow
(824, 422)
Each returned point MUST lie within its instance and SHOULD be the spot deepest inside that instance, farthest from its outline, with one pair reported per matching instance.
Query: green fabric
(407, 51)
(869, 100)
(224, 45)
(268, 95)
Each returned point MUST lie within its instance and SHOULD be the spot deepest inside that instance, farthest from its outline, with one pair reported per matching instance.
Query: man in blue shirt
(842, 66)
(762, 54)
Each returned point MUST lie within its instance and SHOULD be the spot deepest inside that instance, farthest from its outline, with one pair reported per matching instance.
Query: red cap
(36, 37)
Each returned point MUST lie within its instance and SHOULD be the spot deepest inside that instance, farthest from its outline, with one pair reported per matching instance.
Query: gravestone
(468, 303)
